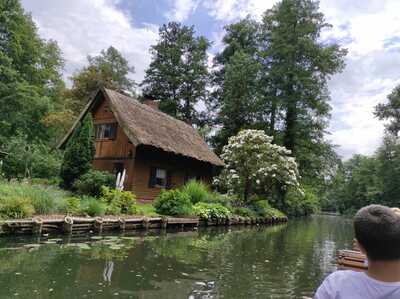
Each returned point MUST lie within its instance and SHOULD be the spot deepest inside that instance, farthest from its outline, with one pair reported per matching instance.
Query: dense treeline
(270, 75)
(364, 180)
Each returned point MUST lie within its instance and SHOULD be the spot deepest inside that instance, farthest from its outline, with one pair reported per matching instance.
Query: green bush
(73, 205)
(244, 212)
(197, 191)
(16, 207)
(30, 160)
(263, 209)
(174, 203)
(119, 202)
(45, 199)
(92, 206)
(297, 204)
(211, 211)
(91, 183)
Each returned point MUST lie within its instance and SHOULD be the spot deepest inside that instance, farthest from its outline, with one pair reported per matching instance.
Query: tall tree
(390, 111)
(178, 74)
(79, 153)
(232, 102)
(109, 69)
(298, 66)
(30, 75)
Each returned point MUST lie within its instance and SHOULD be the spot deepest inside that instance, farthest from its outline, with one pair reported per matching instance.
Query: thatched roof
(147, 126)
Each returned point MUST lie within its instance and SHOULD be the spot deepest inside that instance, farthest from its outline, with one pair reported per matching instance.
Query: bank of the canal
(283, 261)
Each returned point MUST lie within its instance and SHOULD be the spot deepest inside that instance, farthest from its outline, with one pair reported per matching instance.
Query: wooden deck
(351, 259)
(78, 225)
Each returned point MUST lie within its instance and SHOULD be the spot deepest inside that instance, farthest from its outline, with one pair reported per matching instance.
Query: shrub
(93, 206)
(263, 209)
(197, 191)
(73, 205)
(16, 207)
(210, 211)
(174, 203)
(301, 204)
(119, 201)
(91, 183)
(244, 212)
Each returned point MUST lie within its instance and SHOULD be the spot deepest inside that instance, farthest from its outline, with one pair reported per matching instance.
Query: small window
(106, 131)
(159, 178)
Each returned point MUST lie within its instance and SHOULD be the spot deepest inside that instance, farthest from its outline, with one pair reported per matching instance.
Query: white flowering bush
(254, 165)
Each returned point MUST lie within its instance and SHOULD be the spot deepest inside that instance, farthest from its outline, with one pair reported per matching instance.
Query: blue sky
(369, 29)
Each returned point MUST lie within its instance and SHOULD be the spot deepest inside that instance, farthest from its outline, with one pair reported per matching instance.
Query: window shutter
(152, 179)
(169, 179)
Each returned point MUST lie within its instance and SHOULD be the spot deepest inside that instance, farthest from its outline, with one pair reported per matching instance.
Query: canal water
(285, 261)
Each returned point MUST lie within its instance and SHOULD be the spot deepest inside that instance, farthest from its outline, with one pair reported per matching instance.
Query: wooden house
(156, 150)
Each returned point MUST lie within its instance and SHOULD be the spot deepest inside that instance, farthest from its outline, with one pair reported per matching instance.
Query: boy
(377, 232)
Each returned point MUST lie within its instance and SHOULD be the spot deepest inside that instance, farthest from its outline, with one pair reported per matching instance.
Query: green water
(286, 261)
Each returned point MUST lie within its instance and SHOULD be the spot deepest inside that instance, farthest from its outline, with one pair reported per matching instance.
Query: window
(159, 178)
(106, 131)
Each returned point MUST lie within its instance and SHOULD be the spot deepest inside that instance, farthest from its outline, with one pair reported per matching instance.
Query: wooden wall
(179, 166)
(120, 146)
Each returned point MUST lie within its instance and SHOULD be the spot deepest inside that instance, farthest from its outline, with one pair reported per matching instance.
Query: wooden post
(98, 224)
(164, 222)
(37, 225)
(68, 224)
(122, 224)
(146, 223)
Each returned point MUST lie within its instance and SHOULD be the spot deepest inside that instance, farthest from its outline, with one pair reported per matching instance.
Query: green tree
(79, 153)
(109, 69)
(239, 104)
(390, 111)
(297, 65)
(178, 74)
(30, 75)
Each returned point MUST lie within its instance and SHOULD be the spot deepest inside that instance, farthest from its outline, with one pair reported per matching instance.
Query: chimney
(151, 101)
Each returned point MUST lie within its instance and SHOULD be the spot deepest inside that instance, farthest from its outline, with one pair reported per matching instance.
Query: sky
(369, 29)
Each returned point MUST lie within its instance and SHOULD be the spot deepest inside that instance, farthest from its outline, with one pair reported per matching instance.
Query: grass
(146, 209)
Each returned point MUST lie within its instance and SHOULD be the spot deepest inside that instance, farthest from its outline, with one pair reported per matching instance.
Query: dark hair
(377, 229)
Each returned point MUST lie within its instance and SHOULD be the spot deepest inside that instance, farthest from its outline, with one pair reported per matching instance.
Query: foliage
(44, 199)
(16, 207)
(210, 211)
(301, 204)
(73, 205)
(30, 75)
(118, 202)
(173, 203)
(91, 183)
(244, 212)
(254, 165)
(109, 69)
(146, 209)
(79, 153)
(178, 74)
(390, 111)
(197, 191)
(92, 206)
(30, 159)
(263, 209)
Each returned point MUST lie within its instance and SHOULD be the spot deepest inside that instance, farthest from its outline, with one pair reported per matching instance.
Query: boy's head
(377, 230)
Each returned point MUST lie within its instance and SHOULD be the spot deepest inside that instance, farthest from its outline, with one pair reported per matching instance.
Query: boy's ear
(360, 246)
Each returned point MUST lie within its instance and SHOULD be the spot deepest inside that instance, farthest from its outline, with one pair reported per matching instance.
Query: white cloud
(85, 27)
(230, 10)
(182, 10)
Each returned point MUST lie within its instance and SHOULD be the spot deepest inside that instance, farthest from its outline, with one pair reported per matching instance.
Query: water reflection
(286, 261)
